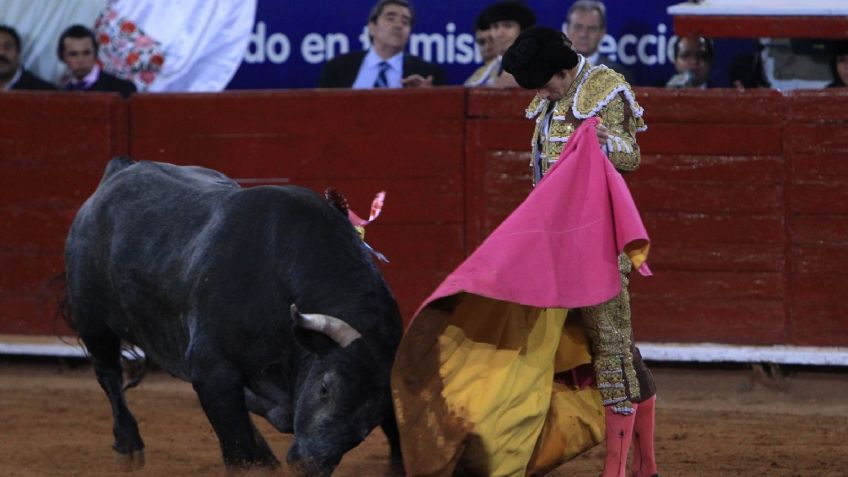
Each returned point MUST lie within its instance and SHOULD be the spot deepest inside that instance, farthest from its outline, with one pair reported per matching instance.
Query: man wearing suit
(384, 65)
(12, 75)
(78, 50)
(586, 27)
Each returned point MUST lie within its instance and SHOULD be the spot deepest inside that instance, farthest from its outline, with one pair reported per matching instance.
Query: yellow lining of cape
(497, 361)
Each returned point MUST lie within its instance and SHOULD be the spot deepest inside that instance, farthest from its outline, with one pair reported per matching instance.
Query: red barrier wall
(816, 149)
(711, 191)
(52, 150)
(742, 192)
(408, 143)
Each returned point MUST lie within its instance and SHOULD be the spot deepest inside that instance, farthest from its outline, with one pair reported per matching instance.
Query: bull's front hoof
(131, 461)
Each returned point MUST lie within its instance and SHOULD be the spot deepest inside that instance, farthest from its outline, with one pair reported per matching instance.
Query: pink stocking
(644, 460)
(619, 428)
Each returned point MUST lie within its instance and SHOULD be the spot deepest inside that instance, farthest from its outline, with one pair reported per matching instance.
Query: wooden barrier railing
(53, 148)
(743, 192)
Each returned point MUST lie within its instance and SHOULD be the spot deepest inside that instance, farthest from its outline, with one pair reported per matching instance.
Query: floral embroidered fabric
(127, 51)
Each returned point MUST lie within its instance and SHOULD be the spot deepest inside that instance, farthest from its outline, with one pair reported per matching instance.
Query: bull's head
(343, 392)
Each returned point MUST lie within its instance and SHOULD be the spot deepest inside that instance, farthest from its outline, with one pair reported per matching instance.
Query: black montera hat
(537, 55)
(511, 11)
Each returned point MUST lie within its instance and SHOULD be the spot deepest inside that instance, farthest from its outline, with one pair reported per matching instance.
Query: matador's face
(558, 86)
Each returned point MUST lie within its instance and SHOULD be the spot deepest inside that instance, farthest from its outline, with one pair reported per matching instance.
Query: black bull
(207, 279)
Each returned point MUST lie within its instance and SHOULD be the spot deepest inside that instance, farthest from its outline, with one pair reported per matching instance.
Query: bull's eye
(324, 391)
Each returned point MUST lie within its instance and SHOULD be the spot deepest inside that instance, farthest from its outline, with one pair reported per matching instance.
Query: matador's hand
(602, 133)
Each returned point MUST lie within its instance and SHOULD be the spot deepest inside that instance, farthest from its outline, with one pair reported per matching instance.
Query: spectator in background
(586, 26)
(839, 65)
(12, 75)
(78, 50)
(384, 65)
(507, 20)
(693, 60)
(746, 69)
(486, 43)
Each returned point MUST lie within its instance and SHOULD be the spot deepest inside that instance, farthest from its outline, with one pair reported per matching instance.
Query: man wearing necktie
(382, 80)
(385, 64)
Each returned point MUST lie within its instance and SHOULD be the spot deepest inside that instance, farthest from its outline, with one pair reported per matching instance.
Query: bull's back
(144, 204)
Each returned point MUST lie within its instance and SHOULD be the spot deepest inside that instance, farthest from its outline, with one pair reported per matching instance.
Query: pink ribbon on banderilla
(359, 223)
(335, 198)
(376, 208)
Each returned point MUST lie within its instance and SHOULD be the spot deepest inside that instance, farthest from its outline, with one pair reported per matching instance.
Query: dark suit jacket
(109, 83)
(32, 82)
(341, 71)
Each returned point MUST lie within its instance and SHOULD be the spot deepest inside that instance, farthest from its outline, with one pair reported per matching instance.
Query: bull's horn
(335, 329)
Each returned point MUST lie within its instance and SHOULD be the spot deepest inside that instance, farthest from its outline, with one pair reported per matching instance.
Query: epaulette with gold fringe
(598, 88)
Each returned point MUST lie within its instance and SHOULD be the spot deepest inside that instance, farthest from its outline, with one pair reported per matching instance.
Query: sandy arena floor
(55, 421)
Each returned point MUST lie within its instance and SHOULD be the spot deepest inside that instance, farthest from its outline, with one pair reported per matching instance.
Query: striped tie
(382, 81)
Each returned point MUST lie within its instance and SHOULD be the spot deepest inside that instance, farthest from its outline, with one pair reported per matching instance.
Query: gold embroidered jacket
(596, 91)
(485, 75)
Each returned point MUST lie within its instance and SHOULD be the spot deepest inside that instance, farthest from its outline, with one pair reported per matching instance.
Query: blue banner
(292, 40)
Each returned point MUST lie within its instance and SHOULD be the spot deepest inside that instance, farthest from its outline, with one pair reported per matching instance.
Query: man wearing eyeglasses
(693, 60)
(586, 26)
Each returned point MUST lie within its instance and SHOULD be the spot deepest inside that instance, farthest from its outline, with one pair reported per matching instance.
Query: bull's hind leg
(105, 350)
(220, 388)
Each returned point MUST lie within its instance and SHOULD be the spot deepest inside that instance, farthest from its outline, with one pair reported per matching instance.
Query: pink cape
(560, 247)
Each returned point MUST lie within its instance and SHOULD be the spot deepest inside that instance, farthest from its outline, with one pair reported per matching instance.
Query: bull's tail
(59, 283)
(135, 365)
(58, 286)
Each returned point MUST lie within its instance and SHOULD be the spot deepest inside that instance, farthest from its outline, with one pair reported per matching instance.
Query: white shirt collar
(581, 62)
(89, 79)
(372, 60)
(593, 58)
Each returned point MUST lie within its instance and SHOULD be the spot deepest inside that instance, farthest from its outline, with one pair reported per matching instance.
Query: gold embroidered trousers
(621, 375)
